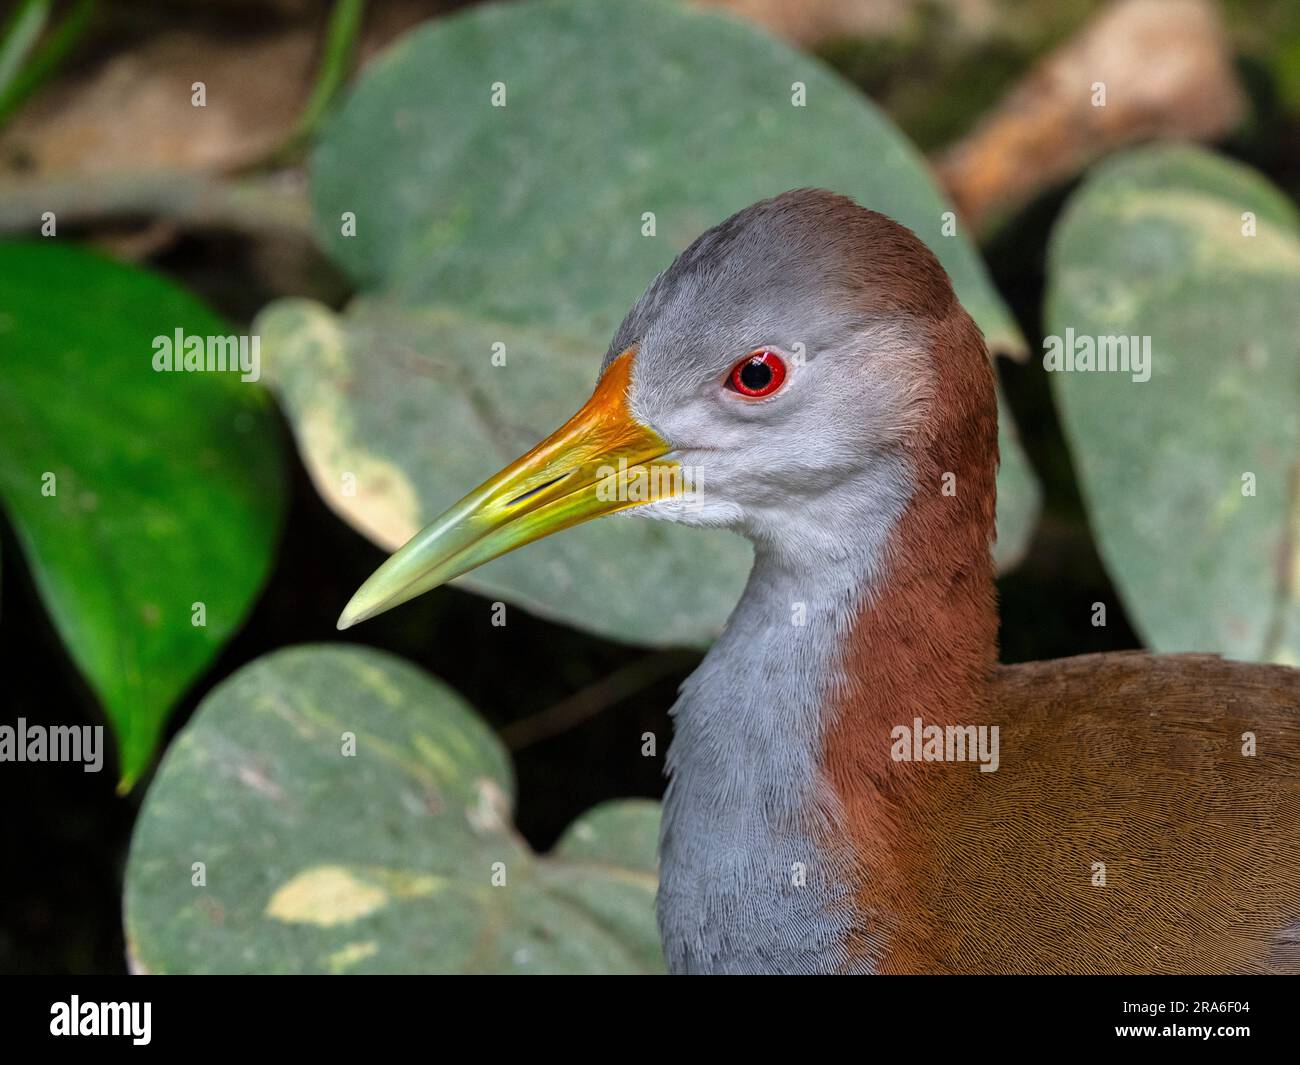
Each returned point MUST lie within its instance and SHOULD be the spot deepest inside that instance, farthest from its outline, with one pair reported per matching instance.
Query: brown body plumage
(1125, 831)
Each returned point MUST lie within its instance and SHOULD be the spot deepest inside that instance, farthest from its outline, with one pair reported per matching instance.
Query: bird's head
(776, 379)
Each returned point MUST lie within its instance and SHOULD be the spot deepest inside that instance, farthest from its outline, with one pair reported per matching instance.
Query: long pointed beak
(600, 461)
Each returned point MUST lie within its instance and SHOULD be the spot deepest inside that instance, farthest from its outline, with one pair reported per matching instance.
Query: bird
(856, 784)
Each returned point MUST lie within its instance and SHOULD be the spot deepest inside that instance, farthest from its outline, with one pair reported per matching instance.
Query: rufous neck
(923, 642)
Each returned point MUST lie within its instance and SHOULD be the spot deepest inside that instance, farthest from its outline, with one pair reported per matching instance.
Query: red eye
(758, 374)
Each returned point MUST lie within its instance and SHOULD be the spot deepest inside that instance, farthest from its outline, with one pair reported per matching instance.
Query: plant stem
(341, 36)
(245, 205)
(604, 693)
(22, 69)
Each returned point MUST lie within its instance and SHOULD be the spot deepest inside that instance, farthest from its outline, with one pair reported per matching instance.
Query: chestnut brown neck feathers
(923, 645)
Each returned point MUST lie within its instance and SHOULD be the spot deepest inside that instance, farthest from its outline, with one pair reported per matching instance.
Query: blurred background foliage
(184, 488)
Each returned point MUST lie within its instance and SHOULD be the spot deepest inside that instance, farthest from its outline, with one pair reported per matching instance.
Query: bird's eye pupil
(756, 375)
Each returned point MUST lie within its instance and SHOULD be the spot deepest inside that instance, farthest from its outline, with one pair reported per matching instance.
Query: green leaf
(134, 494)
(1192, 479)
(1018, 494)
(380, 861)
(522, 225)
(531, 213)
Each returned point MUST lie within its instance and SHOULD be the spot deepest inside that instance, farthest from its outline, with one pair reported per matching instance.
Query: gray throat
(748, 879)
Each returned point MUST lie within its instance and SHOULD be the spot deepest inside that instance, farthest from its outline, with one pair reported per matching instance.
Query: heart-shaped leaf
(502, 160)
(334, 809)
(147, 503)
(1192, 478)
(505, 182)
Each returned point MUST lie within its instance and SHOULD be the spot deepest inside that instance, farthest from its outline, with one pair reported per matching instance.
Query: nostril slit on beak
(533, 491)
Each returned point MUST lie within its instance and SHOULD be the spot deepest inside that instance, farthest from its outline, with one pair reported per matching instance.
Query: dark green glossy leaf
(135, 494)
